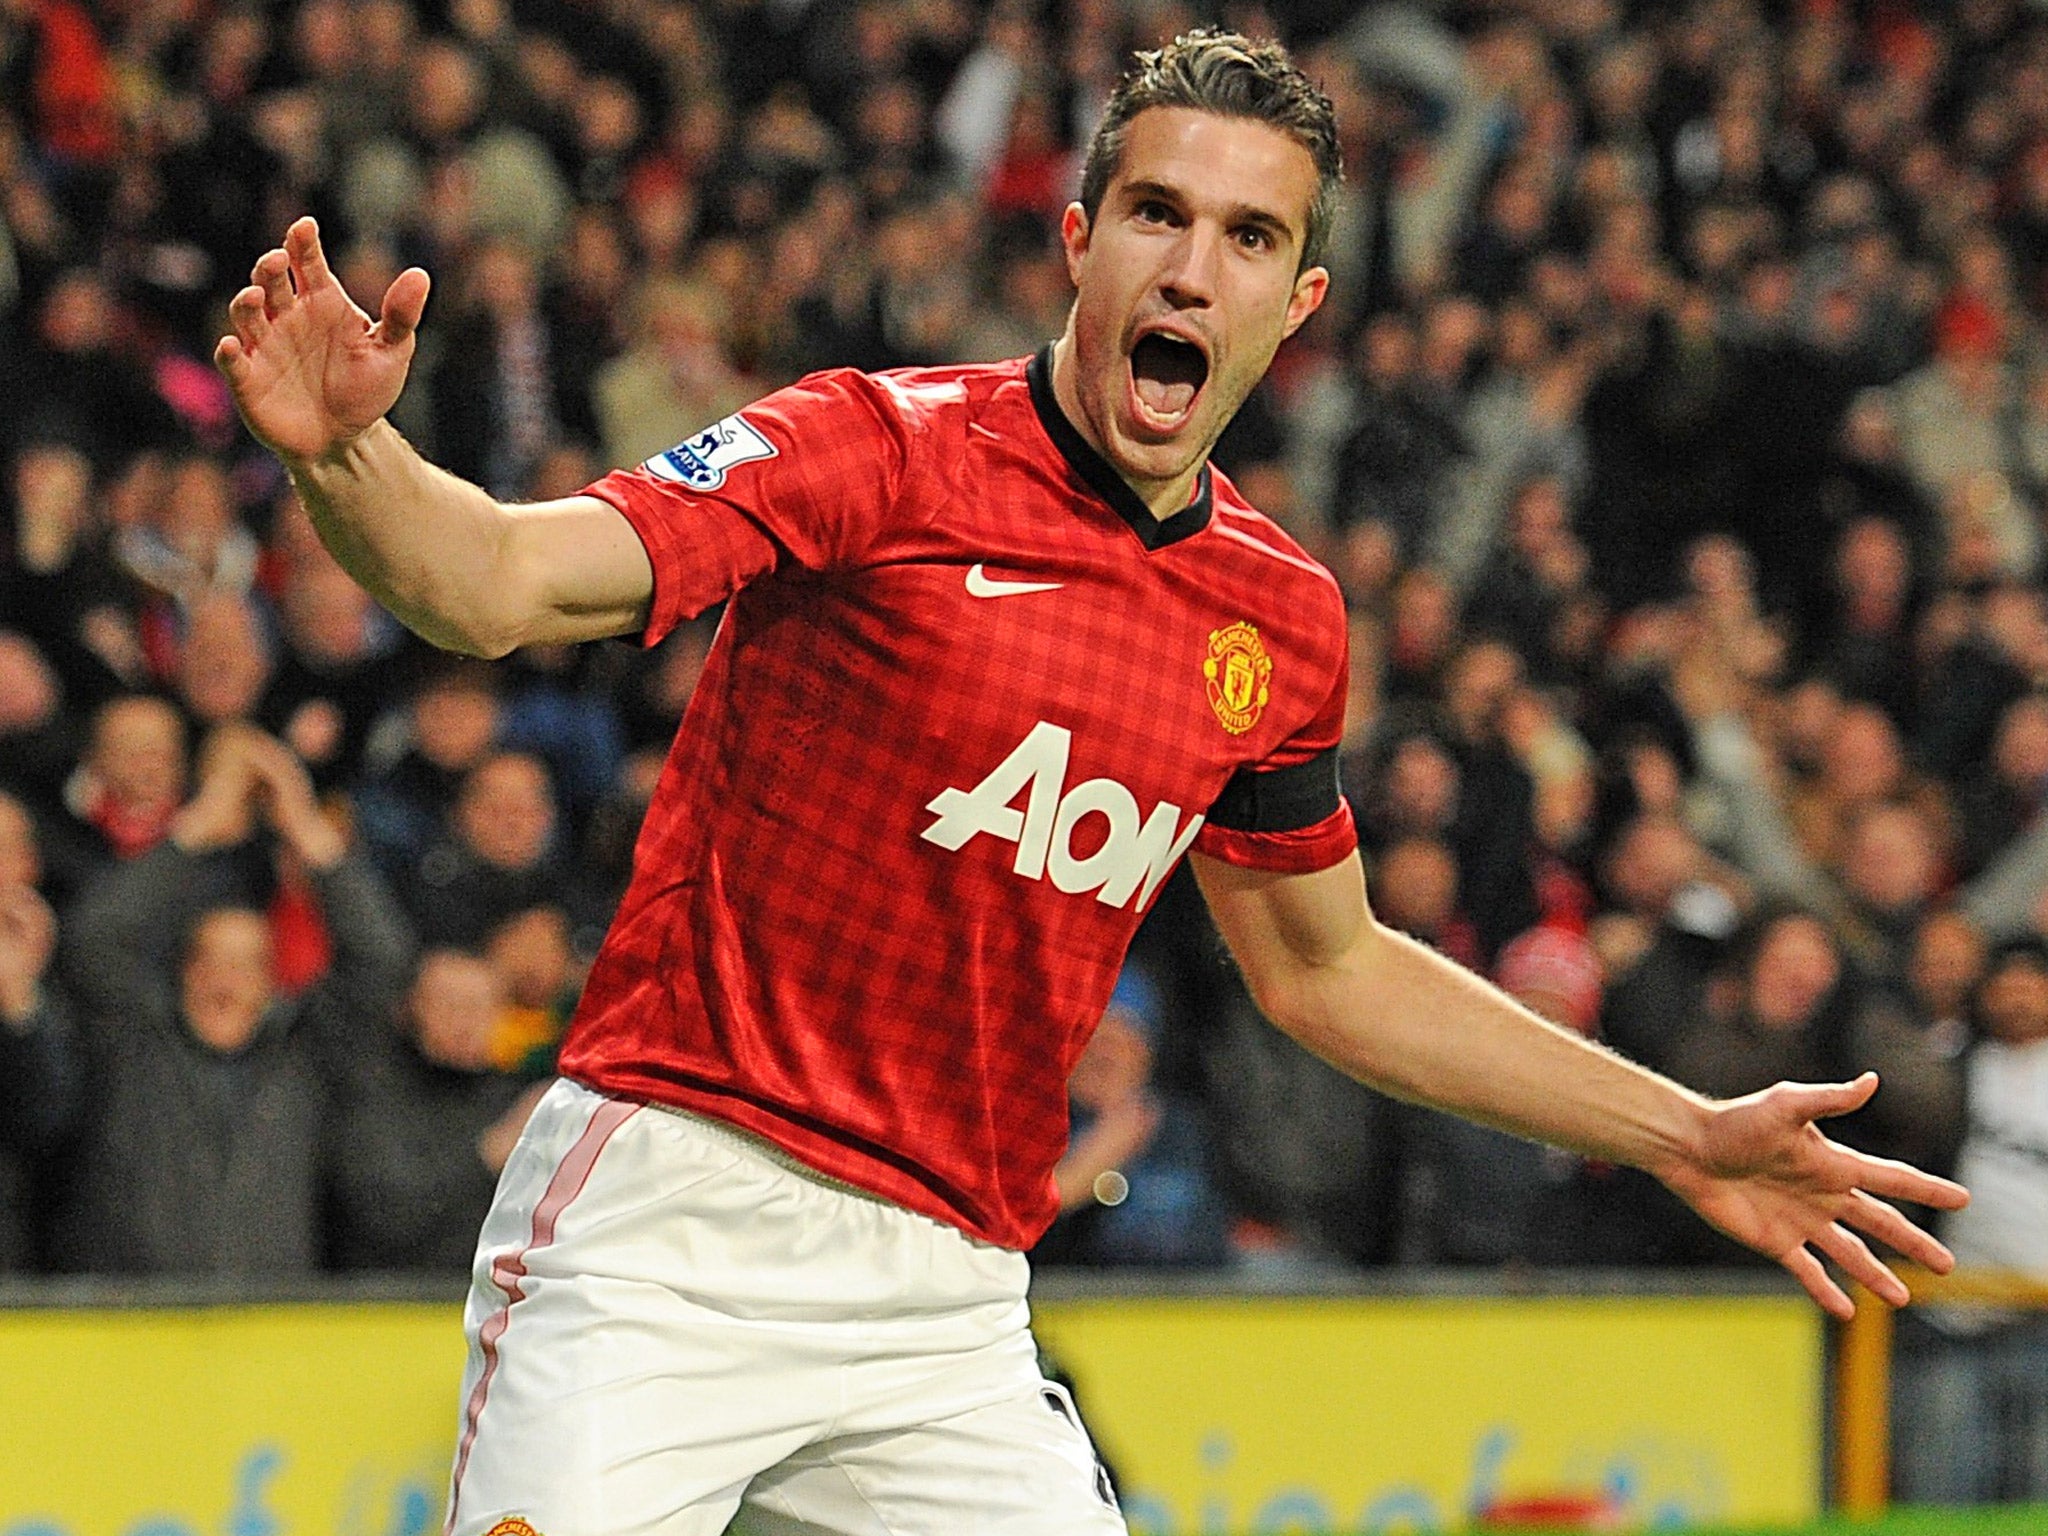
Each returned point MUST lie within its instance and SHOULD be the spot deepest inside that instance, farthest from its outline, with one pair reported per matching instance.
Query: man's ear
(1074, 233)
(1310, 289)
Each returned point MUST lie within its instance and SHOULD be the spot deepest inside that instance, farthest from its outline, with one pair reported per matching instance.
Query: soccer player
(1000, 648)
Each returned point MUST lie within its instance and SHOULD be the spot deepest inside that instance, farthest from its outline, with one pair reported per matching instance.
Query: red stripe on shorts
(571, 1174)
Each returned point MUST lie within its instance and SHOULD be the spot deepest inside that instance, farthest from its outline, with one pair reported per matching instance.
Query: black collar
(1102, 478)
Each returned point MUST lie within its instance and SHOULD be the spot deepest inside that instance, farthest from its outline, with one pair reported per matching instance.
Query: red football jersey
(969, 704)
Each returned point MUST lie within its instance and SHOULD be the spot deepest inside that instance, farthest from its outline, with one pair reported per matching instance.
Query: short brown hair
(1229, 74)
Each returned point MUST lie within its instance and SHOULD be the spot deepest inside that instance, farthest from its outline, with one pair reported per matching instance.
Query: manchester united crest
(1237, 669)
(512, 1525)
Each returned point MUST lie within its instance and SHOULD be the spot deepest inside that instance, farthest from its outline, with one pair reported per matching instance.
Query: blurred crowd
(1678, 429)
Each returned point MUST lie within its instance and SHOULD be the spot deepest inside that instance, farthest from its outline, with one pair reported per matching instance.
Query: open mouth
(1167, 374)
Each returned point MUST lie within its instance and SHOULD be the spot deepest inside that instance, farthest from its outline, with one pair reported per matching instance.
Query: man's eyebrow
(1236, 214)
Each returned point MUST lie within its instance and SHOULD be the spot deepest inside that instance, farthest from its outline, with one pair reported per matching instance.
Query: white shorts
(670, 1326)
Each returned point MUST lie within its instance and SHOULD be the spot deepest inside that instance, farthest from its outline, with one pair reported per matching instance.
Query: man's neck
(1163, 498)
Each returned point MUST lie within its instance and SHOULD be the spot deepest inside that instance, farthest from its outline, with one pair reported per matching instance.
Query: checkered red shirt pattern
(814, 947)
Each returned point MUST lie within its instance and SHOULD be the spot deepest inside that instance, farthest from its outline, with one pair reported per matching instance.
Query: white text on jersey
(1133, 859)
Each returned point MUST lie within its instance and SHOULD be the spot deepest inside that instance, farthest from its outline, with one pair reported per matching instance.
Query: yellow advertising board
(1411, 1414)
(310, 1420)
(1223, 1416)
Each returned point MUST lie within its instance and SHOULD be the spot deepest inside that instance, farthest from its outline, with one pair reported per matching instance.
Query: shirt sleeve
(1287, 814)
(805, 476)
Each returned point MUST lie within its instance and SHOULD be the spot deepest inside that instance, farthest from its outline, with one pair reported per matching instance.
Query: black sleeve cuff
(1279, 799)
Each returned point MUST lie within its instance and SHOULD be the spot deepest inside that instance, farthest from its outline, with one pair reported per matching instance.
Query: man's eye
(1254, 239)
(1154, 213)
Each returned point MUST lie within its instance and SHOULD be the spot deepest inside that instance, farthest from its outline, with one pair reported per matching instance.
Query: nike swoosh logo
(980, 584)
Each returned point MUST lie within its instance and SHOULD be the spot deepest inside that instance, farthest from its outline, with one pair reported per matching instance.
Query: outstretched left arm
(1397, 1015)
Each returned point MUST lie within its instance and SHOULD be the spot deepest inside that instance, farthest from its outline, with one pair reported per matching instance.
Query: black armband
(1279, 799)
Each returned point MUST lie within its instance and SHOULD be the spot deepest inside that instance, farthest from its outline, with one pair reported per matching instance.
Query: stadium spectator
(1474, 1196)
(1422, 614)
(1521, 423)
(500, 399)
(59, 588)
(1672, 909)
(560, 705)
(2002, 797)
(84, 381)
(424, 1123)
(1419, 881)
(1864, 476)
(1862, 764)
(538, 967)
(1973, 1387)
(223, 664)
(1495, 831)
(198, 1107)
(1524, 592)
(1406, 785)
(1114, 1117)
(1948, 962)
(1134, 1183)
(497, 856)
(192, 545)
(1865, 645)
(674, 378)
(1560, 766)
(1306, 1158)
(337, 668)
(1394, 467)
(1955, 419)
(132, 778)
(448, 725)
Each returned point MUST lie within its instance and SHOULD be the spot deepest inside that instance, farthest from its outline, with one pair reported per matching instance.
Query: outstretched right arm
(313, 376)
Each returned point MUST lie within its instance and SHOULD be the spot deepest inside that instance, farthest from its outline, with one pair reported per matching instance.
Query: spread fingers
(309, 261)
(1820, 1285)
(247, 314)
(1890, 1226)
(272, 274)
(1855, 1257)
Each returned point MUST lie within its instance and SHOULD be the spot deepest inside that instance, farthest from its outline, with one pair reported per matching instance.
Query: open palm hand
(1769, 1178)
(309, 369)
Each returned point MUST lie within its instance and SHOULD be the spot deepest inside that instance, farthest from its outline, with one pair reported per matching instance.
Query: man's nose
(1189, 281)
